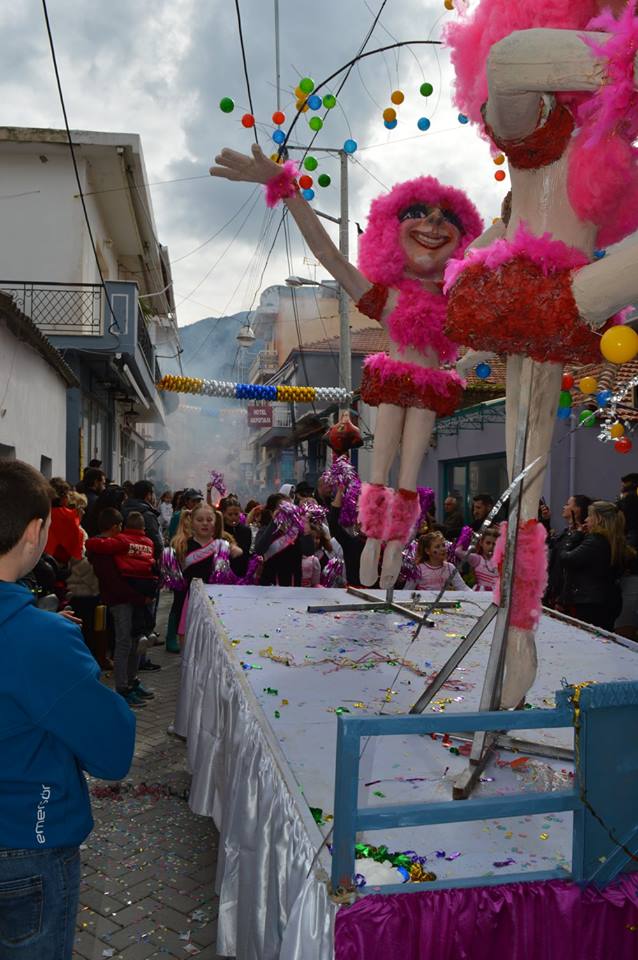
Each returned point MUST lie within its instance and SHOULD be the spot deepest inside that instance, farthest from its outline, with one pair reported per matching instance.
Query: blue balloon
(314, 102)
(564, 413)
(350, 146)
(483, 371)
(389, 124)
(308, 194)
(423, 123)
(603, 397)
(463, 118)
(599, 254)
(279, 136)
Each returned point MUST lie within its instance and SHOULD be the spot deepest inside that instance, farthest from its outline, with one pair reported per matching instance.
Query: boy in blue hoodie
(56, 721)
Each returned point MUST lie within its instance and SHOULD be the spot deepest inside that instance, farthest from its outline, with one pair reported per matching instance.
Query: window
(7, 452)
(46, 467)
(468, 478)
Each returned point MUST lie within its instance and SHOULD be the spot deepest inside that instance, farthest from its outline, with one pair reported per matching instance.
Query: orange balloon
(499, 175)
(397, 96)
(499, 159)
(616, 430)
(389, 114)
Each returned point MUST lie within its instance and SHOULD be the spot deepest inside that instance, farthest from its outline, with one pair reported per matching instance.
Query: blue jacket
(56, 721)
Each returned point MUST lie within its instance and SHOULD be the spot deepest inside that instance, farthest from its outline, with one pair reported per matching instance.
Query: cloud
(160, 68)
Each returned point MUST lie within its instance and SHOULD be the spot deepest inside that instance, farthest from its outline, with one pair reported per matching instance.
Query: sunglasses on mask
(420, 211)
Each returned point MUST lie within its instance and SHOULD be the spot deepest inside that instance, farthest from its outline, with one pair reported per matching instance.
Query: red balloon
(278, 117)
(623, 445)
(248, 120)
(568, 381)
(305, 182)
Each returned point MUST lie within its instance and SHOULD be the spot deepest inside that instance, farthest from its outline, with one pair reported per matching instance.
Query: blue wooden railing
(605, 718)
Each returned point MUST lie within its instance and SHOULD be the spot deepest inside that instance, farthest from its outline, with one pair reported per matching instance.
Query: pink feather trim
(403, 517)
(283, 185)
(381, 256)
(550, 255)
(530, 573)
(445, 383)
(374, 504)
(418, 321)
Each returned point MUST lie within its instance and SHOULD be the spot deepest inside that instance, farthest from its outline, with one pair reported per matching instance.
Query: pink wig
(381, 257)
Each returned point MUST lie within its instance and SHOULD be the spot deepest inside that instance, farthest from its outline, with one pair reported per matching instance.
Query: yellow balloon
(619, 344)
(587, 384)
(616, 430)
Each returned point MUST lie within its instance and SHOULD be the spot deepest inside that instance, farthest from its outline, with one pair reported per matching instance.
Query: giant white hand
(232, 165)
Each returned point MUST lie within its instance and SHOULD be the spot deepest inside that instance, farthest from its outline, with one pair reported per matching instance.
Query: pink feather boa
(603, 164)
(374, 505)
(404, 516)
(530, 573)
(284, 185)
(444, 383)
(381, 256)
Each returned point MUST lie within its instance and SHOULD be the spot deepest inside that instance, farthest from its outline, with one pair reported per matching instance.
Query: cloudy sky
(160, 67)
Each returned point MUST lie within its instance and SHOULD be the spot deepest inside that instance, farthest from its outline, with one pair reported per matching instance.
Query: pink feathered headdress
(381, 257)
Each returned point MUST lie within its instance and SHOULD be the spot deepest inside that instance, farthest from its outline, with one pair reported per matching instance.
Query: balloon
(306, 85)
(426, 89)
(248, 121)
(278, 117)
(587, 384)
(499, 159)
(499, 175)
(330, 101)
(323, 180)
(448, 4)
(483, 371)
(389, 114)
(397, 96)
(463, 118)
(311, 163)
(619, 344)
(599, 254)
(568, 381)
(314, 102)
(565, 399)
(603, 397)
(623, 445)
(564, 413)
(350, 146)
(308, 194)
(279, 136)
(616, 430)
(587, 418)
(390, 124)
(423, 123)
(226, 105)
(315, 123)
(305, 182)
(302, 106)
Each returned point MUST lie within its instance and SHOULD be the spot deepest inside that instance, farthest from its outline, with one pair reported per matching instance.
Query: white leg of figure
(387, 437)
(417, 431)
(521, 660)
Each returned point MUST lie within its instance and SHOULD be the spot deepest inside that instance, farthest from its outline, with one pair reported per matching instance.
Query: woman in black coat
(594, 558)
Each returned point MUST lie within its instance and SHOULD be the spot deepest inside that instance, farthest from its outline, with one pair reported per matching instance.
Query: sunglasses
(421, 211)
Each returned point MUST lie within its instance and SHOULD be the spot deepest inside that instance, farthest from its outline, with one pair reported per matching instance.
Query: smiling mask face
(429, 236)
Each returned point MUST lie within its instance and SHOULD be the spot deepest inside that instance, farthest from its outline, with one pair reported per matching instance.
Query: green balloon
(226, 105)
(587, 418)
(315, 123)
(426, 89)
(307, 85)
(329, 101)
(323, 180)
(565, 399)
(311, 163)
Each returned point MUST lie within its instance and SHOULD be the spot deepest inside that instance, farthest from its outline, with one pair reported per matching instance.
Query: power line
(114, 322)
(243, 56)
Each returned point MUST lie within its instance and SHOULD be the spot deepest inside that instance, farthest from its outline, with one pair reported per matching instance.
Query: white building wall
(32, 405)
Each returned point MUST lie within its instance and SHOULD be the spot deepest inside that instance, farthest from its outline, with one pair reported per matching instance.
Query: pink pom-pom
(284, 185)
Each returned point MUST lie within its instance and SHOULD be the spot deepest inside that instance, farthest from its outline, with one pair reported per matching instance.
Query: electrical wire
(293, 292)
(114, 322)
(243, 56)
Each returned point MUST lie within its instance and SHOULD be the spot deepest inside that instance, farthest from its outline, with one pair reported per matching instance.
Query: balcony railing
(59, 309)
(144, 343)
(265, 364)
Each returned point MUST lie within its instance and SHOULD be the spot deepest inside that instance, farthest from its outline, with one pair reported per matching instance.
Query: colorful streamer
(281, 393)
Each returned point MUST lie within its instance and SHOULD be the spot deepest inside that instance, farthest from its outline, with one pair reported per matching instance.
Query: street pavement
(148, 868)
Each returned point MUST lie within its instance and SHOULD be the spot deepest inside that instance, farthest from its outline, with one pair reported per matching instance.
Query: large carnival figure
(555, 91)
(412, 233)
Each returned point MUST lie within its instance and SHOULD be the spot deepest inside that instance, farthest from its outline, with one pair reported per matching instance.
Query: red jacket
(65, 536)
(139, 557)
(114, 589)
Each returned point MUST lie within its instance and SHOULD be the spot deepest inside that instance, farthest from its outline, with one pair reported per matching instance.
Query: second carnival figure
(412, 233)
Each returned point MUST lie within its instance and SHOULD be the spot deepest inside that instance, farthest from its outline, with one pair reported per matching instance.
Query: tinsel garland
(284, 393)
(217, 480)
(343, 474)
(171, 576)
(611, 408)
(409, 864)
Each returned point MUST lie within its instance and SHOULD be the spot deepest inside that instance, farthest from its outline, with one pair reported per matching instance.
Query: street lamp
(306, 282)
(246, 336)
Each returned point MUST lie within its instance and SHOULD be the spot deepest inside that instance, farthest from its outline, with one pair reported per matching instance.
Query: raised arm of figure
(608, 285)
(528, 63)
(260, 169)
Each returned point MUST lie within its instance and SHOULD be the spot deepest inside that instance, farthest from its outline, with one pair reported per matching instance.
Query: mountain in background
(211, 350)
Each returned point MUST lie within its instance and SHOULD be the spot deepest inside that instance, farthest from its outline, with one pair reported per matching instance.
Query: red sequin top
(373, 301)
(544, 146)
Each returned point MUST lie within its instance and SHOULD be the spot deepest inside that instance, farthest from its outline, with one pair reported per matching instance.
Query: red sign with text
(259, 416)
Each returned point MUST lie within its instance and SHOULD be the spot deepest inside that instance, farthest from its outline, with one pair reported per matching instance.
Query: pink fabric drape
(551, 920)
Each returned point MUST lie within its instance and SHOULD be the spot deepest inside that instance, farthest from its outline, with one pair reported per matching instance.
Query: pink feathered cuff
(283, 185)
(530, 573)
(403, 517)
(374, 504)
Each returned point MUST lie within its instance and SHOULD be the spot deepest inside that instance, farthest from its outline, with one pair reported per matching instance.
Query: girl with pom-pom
(552, 84)
(411, 234)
